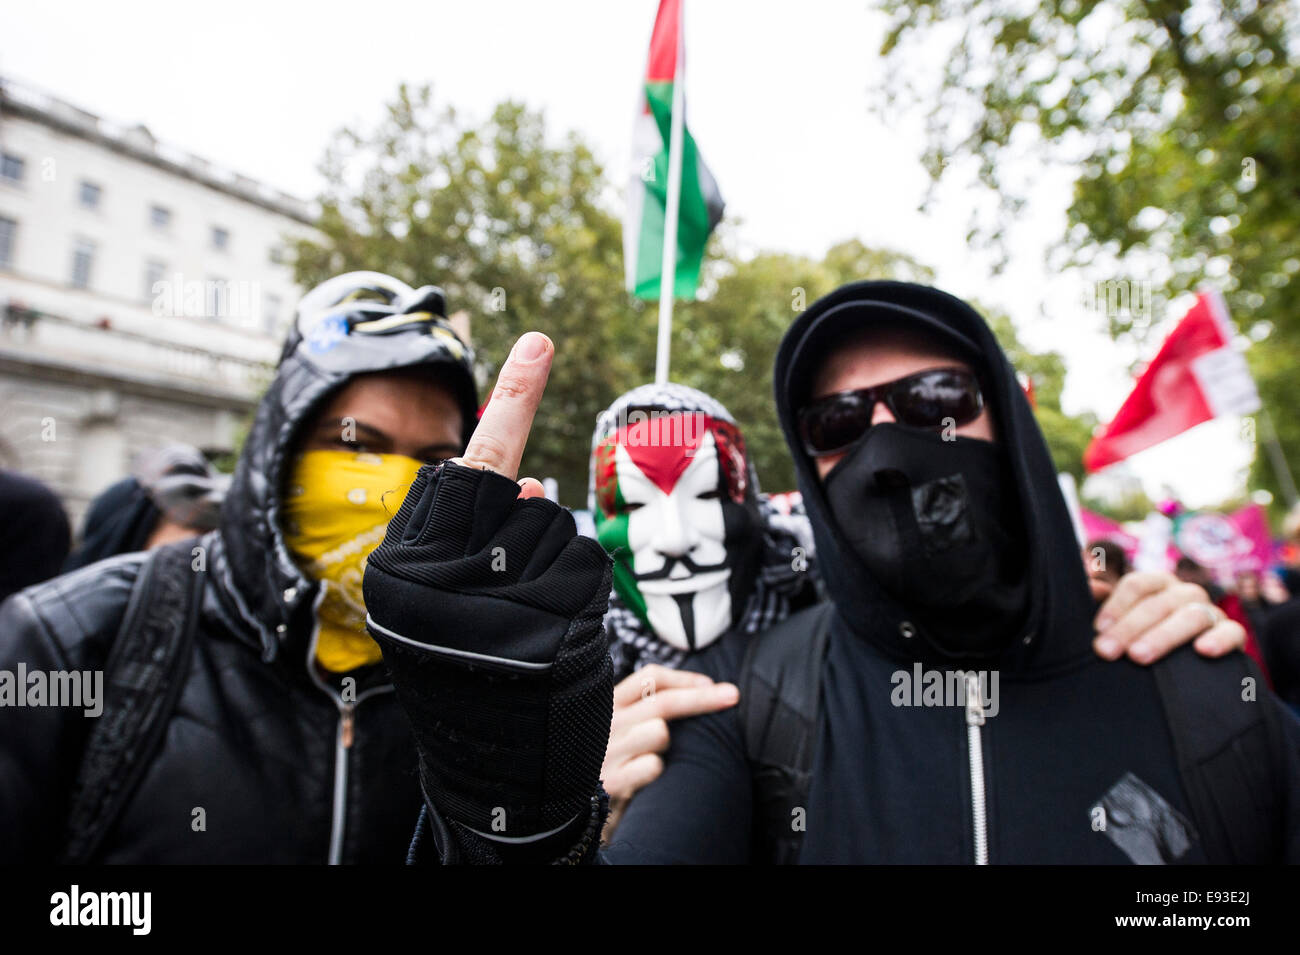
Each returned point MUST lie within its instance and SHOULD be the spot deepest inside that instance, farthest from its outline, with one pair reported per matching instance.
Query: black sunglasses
(933, 400)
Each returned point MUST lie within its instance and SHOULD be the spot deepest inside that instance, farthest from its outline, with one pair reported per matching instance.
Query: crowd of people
(1265, 602)
(376, 643)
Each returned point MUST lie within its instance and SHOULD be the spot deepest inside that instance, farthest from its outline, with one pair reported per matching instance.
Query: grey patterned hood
(263, 593)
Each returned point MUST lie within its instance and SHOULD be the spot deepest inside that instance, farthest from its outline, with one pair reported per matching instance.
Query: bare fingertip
(1141, 653)
(1107, 647)
(1208, 646)
(530, 347)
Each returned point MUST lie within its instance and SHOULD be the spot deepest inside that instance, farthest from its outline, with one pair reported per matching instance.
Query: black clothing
(251, 742)
(36, 532)
(894, 782)
(1279, 636)
(119, 521)
(288, 765)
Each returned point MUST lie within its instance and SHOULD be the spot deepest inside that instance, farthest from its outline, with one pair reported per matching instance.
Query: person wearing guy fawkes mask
(698, 551)
(697, 548)
(875, 384)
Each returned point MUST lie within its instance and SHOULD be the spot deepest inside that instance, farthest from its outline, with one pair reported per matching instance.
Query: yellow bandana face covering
(336, 508)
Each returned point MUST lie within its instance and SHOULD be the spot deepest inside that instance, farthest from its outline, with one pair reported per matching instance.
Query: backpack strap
(143, 676)
(1227, 739)
(780, 699)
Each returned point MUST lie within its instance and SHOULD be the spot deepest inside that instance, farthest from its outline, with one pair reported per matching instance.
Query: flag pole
(668, 264)
(1278, 459)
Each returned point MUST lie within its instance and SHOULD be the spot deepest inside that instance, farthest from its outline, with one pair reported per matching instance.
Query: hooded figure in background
(36, 532)
(286, 730)
(698, 549)
(173, 493)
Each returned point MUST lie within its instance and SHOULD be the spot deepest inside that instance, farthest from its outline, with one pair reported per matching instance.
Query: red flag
(1197, 375)
(1027, 386)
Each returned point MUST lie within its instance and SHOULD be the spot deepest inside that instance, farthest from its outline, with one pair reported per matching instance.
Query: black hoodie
(1064, 735)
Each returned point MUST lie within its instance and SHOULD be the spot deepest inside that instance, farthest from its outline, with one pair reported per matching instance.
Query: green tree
(1131, 505)
(514, 228)
(1066, 435)
(1180, 118)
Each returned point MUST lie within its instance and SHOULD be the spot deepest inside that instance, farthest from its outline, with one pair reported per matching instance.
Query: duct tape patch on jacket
(1141, 823)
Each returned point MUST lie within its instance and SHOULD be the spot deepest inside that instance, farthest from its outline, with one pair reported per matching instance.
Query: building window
(89, 196)
(8, 232)
(271, 314)
(160, 217)
(83, 259)
(11, 167)
(154, 273)
(220, 238)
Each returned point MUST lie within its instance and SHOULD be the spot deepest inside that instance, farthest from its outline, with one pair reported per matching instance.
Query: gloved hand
(489, 610)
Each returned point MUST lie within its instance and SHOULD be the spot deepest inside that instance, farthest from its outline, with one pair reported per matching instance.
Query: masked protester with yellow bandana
(336, 510)
(282, 723)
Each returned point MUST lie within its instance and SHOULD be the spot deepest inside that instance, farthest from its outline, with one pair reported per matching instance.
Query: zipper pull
(348, 723)
(974, 705)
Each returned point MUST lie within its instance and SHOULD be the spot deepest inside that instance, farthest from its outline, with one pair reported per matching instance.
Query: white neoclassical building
(143, 294)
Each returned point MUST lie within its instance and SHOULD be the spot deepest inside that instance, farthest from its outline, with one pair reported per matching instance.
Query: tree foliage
(1180, 118)
(517, 230)
(1066, 435)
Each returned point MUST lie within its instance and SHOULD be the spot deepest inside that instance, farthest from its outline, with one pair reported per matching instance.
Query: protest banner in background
(1225, 543)
(1197, 375)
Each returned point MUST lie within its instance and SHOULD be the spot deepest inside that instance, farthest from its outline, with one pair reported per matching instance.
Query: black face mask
(937, 524)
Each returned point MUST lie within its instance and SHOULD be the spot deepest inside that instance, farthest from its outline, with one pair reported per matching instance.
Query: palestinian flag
(647, 194)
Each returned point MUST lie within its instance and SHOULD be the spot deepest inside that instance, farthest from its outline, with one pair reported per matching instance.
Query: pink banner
(1226, 543)
(1099, 527)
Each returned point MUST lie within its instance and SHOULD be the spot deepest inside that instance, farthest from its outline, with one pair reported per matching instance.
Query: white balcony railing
(42, 335)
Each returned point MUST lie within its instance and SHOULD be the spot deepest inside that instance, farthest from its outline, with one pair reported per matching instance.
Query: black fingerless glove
(489, 612)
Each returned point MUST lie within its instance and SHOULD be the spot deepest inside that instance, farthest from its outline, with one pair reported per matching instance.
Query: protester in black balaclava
(36, 532)
(897, 402)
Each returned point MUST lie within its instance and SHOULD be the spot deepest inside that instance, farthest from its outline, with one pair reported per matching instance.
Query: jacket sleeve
(61, 627)
(700, 809)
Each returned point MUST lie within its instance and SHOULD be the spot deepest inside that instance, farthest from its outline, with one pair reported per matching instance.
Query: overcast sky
(778, 99)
